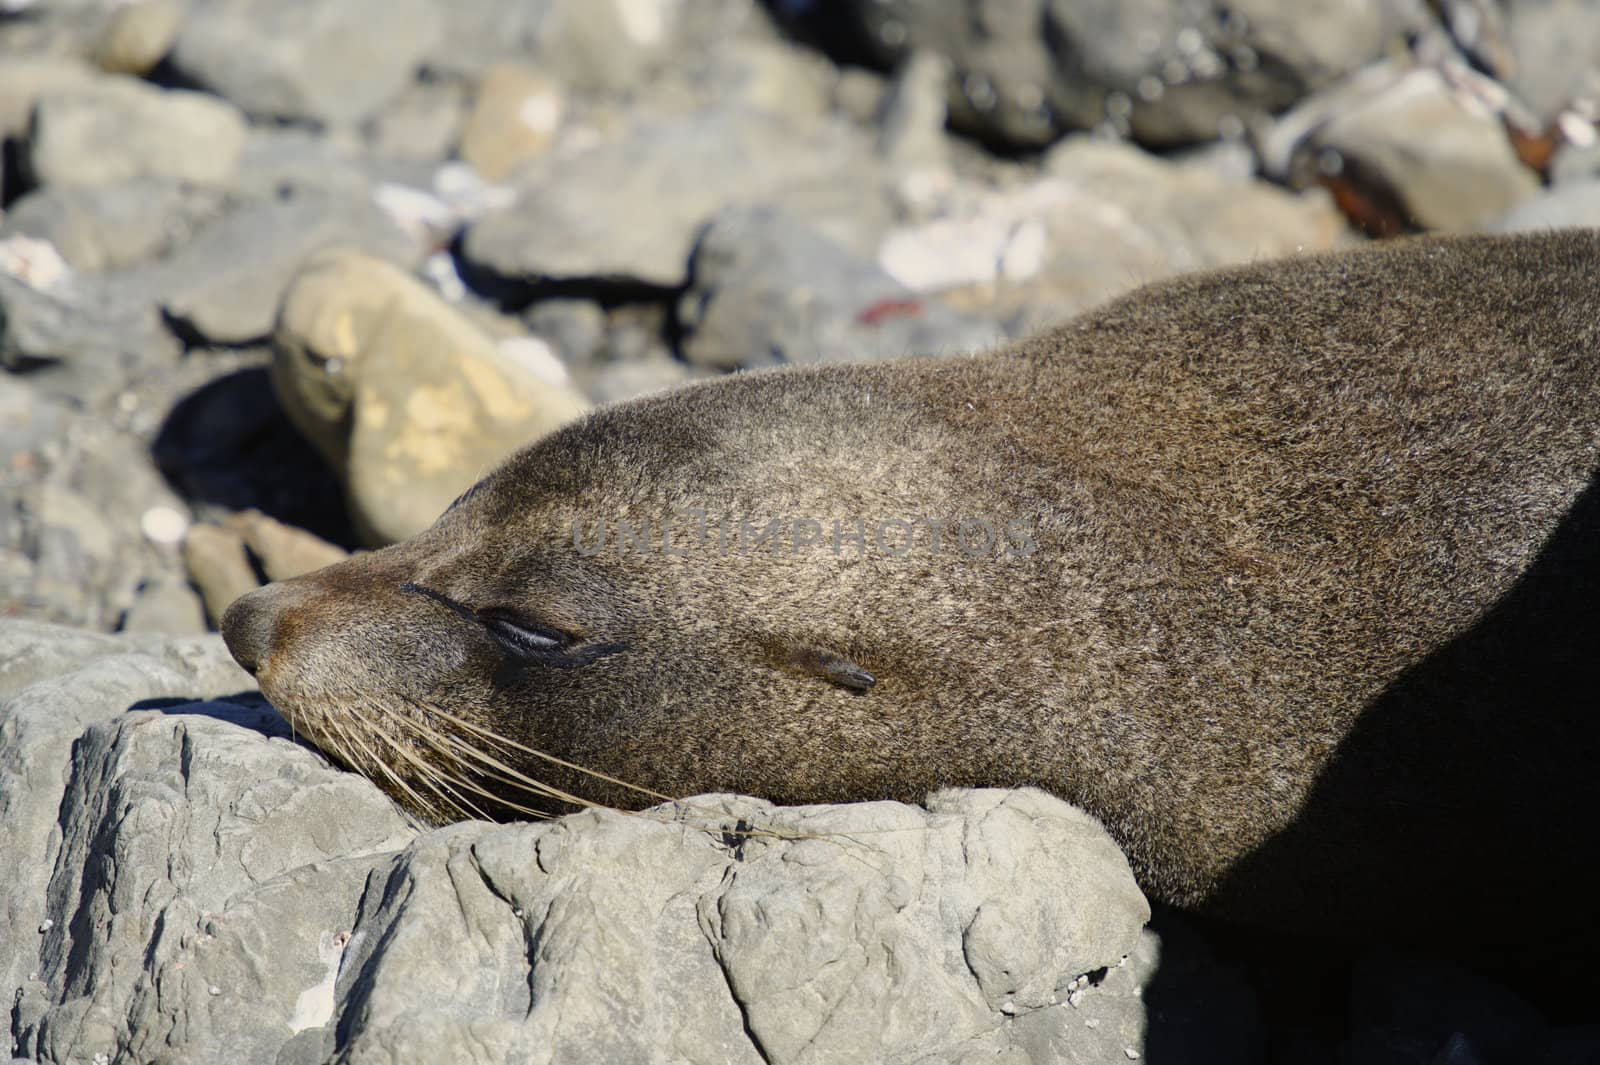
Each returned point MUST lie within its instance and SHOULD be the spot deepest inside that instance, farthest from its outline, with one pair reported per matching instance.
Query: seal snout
(250, 625)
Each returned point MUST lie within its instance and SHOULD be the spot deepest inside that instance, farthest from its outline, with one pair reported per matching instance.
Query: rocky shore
(280, 278)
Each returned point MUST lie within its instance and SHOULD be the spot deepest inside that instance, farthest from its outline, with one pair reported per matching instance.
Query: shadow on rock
(247, 709)
(229, 444)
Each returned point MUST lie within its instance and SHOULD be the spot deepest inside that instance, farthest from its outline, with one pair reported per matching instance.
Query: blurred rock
(1557, 49)
(284, 551)
(575, 327)
(1402, 149)
(224, 286)
(166, 606)
(1575, 203)
(305, 60)
(513, 119)
(766, 290)
(912, 116)
(616, 382)
(772, 76)
(584, 44)
(1576, 162)
(281, 161)
(137, 36)
(859, 94)
(224, 559)
(409, 400)
(218, 563)
(23, 80)
(1104, 218)
(423, 123)
(94, 332)
(71, 545)
(1164, 71)
(116, 224)
(629, 208)
(118, 128)
(28, 420)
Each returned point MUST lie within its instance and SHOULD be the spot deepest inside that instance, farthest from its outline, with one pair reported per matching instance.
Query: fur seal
(1289, 573)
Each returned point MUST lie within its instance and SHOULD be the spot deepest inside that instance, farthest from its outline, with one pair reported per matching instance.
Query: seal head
(1288, 573)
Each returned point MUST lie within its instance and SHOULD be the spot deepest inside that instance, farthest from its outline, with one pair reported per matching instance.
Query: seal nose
(248, 627)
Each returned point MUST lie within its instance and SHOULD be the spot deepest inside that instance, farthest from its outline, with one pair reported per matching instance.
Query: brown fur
(1311, 624)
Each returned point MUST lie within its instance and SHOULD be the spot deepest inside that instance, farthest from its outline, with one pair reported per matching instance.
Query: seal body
(1288, 573)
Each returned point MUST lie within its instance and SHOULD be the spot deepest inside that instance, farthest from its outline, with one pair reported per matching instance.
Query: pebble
(164, 526)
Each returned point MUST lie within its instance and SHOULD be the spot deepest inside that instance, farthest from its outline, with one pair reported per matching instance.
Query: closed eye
(520, 635)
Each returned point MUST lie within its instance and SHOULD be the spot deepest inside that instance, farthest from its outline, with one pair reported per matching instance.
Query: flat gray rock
(118, 128)
(767, 289)
(1557, 49)
(304, 60)
(630, 208)
(119, 223)
(224, 286)
(97, 329)
(585, 44)
(194, 886)
(1574, 203)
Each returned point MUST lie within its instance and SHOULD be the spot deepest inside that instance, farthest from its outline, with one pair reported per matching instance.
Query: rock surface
(629, 208)
(174, 902)
(767, 290)
(121, 223)
(215, 295)
(408, 399)
(118, 128)
(1166, 71)
(303, 59)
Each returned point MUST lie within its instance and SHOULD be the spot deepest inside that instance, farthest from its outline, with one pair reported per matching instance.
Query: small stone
(537, 357)
(218, 564)
(164, 525)
(137, 36)
(1132, 1053)
(769, 289)
(46, 925)
(36, 263)
(119, 128)
(514, 118)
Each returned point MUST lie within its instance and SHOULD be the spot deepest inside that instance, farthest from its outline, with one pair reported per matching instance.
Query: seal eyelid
(513, 632)
(520, 634)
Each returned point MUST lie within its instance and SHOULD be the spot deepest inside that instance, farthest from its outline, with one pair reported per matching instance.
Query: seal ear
(829, 665)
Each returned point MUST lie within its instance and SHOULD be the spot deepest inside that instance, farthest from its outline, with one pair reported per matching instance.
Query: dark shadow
(1458, 819)
(825, 25)
(246, 709)
(513, 295)
(229, 444)
(14, 177)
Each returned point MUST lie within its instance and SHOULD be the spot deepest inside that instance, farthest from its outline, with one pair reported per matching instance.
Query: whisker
(375, 730)
(552, 759)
